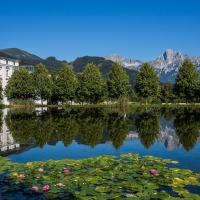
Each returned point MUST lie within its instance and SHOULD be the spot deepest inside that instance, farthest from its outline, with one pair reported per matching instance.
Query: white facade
(7, 66)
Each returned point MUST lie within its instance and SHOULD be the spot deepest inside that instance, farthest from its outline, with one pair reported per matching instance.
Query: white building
(7, 66)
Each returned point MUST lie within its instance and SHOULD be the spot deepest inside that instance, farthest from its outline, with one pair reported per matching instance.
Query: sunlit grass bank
(103, 177)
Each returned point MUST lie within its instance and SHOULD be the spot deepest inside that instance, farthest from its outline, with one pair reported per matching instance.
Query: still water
(81, 133)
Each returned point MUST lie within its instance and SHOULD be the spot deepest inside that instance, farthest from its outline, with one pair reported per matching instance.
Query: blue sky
(67, 29)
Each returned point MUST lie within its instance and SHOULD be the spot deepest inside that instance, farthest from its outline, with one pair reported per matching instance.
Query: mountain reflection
(174, 128)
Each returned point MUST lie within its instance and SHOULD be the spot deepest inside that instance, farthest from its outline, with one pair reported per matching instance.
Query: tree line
(89, 87)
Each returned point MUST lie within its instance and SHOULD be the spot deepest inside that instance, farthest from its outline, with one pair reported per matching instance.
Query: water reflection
(147, 126)
(174, 128)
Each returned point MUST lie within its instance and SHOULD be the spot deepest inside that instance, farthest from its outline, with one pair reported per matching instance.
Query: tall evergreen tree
(66, 84)
(118, 82)
(147, 82)
(91, 86)
(186, 81)
(43, 83)
(20, 86)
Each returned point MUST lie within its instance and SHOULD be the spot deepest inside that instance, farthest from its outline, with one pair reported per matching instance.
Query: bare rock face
(166, 65)
(127, 63)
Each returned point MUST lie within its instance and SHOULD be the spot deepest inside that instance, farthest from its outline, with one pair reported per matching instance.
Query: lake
(88, 132)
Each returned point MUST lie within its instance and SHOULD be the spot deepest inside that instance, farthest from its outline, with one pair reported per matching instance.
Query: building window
(6, 72)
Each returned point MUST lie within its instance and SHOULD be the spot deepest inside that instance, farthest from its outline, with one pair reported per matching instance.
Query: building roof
(5, 55)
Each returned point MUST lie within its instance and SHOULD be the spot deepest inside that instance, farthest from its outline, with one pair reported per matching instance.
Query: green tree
(1, 93)
(91, 86)
(54, 98)
(118, 82)
(147, 126)
(43, 83)
(66, 84)
(186, 81)
(20, 86)
(147, 82)
(166, 93)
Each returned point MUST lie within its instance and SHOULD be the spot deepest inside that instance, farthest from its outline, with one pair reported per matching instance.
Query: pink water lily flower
(34, 188)
(66, 171)
(153, 171)
(46, 187)
(59, 184)
(40, 170)
(21, 176)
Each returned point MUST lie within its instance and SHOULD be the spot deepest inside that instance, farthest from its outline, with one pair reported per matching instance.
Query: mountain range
(166, 65)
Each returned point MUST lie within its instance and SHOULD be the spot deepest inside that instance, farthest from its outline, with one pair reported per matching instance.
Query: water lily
(59, 184)
(34, 188)
(15, 174)
(153, 171)
(46, 187)
(66, 171)
(21, 176)
(40, 170)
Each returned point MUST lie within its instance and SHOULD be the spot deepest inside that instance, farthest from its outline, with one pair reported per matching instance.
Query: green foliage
(118, 82)
(66, 84)
(186, 82)
(147, 83)
(20, 86)
(42, 82)
(104, 67)
(147, 126)
(54, 98)
(91, 124)
(91, 86)
(156, 101)
(118, 128)
(103, 177)
(133, 96)
(187, 127)
(166, 92)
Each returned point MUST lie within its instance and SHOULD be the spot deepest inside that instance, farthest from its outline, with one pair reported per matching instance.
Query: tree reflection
(118, 128)
(187, 127)
(147, 126)
(65, 127)
(25, 127)
(91, 123)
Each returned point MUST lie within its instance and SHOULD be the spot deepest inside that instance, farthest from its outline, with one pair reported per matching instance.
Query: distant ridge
(22, 55)
(166, 65)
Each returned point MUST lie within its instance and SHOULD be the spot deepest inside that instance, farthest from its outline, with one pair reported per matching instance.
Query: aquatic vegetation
(105, 177)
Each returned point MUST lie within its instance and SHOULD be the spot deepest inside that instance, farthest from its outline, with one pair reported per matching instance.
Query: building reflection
(7, 142)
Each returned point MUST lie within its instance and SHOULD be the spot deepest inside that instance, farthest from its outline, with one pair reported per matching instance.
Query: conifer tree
(147, 83)
(186, 81)
(118, 82)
